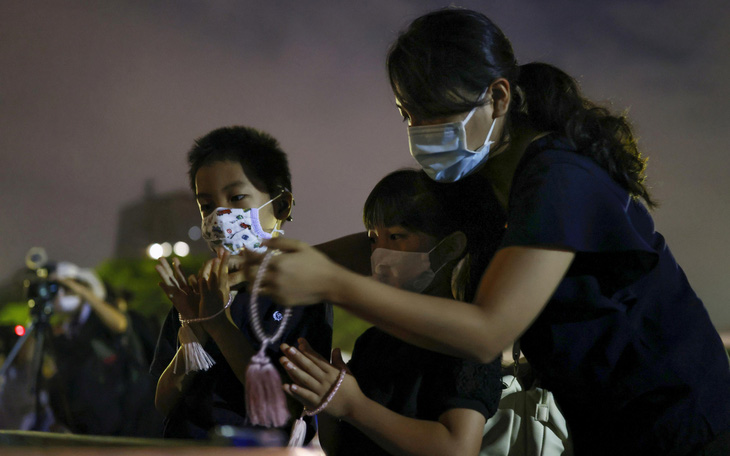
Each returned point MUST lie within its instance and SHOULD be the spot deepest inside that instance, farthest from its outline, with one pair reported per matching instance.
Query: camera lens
(42, 289)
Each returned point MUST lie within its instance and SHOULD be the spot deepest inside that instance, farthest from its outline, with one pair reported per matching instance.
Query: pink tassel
(265, 400)
(298, 432)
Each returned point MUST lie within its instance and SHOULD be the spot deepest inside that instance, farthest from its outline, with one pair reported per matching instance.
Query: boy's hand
(183, 293)
(213, 285)
(314, 378)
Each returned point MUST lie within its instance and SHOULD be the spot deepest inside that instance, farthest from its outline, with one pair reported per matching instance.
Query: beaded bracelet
(329, 397)
(186, 322)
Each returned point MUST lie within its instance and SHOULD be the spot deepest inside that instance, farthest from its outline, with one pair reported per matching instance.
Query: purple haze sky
(98, 97)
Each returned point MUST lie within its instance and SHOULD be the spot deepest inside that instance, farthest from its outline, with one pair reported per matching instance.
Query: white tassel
(298, 433)
(195, 356)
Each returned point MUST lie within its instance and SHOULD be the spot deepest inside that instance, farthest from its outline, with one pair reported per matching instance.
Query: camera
(39, 290)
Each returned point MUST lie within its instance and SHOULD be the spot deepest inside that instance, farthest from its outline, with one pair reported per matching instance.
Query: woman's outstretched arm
(513, 291)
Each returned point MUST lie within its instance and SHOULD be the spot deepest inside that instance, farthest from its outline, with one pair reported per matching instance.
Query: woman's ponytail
(550, 100)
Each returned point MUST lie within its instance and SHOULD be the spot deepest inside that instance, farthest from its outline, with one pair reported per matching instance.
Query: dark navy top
(416, 383)
(624, 343)
(216, 396)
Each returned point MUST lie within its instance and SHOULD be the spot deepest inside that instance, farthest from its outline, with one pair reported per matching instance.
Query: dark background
(97, 98)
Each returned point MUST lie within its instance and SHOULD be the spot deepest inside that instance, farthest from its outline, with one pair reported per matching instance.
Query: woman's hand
(300, 276)
(314, 379)
(182, 292)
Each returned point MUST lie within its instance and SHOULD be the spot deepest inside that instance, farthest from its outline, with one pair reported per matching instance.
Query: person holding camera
(101, 385)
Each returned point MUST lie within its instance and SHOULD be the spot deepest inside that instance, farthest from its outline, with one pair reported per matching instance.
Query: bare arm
(110, 316)
(172, 384)
(184, 295)
(512, 293)
(458, 431)
(207, 300)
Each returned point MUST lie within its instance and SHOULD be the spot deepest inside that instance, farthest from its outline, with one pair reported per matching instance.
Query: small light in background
(194, 233)
(166, 249)
(20, 330)
(181, 249)
(154, 251)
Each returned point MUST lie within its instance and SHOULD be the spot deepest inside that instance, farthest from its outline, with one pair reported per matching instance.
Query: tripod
(41, 312)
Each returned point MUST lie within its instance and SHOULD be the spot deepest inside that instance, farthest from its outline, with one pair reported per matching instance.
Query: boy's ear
(283, 206)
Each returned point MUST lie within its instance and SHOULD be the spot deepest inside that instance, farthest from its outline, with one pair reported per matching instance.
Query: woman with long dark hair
(605, 316)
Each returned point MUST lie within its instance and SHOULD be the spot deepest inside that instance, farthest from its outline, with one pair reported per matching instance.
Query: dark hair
(259, 154)
(553, 102)
(413, 200)
(409, 198)
(445, 59)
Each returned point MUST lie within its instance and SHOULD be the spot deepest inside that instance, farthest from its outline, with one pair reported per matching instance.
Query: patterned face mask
(236, 229)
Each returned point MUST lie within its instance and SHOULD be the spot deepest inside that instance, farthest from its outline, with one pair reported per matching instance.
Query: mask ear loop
(288, 217)
(437, 246)
(471, 113)
(277, 225)
(489, 135)
(256, 221)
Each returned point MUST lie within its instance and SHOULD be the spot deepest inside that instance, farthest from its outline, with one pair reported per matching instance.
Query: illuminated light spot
(154, 251)
(166, 249)
(181, 249)
(20, 330)
(194, 233)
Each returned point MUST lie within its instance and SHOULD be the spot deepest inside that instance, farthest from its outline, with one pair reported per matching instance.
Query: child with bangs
(394, 397)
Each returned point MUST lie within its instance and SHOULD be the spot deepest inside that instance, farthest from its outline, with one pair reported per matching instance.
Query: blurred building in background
(160, 225)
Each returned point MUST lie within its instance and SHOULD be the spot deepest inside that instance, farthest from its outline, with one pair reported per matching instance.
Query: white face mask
(64, 303)
(442, 151)
(236, 229)
(405, 270)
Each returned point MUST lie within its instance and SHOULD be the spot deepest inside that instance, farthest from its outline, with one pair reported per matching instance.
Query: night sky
(96, 98)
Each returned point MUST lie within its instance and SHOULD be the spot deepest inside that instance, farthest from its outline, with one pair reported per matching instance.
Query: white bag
(527, 423)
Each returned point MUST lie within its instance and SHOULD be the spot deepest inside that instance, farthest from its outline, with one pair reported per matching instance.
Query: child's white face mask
(405, 270)
(236, 229)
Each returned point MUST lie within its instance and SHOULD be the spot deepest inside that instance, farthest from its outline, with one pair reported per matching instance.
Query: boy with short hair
(244, 171)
